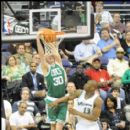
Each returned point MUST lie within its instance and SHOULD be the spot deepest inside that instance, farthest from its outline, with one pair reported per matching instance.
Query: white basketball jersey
(86, 106)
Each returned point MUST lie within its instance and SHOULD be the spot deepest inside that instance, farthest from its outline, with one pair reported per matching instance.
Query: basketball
(49, 34)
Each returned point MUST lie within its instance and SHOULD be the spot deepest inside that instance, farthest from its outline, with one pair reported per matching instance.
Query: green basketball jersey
(56, 81)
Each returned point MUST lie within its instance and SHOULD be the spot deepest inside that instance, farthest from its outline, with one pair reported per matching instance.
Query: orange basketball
(49, 34)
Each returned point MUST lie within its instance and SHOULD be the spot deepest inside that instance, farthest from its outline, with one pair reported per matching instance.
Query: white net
(47, 46)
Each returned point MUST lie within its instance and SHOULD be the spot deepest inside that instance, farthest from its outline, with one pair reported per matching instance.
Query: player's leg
(53, 126)
(61, 117)
(59, 125)
(51, 115)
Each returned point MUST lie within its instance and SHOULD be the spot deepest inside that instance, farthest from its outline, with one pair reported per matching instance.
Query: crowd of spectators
(105, 59)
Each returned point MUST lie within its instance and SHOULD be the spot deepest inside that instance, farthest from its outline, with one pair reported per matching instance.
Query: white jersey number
(58, 80)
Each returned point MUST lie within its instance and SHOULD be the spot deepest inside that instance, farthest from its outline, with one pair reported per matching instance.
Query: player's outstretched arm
(42, 54)
(39, 46)
(65, 98)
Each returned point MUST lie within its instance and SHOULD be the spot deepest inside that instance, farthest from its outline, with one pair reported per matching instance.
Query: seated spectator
(116, 118)
(70, 87)
(28, 48)
(100, 75)
(127, 29)
(21, 56)
(112, 32)
(107, 46)
(21, 119)
(25, 97)
(105, 15)
(116, 67)
(86, 51)
(34, 81)
(115, 92)
(119, 85)
(32, 108)
(105, 124)
(126, 44)
(78, 77)
(117, 23)
(13, 71)
(12, 76)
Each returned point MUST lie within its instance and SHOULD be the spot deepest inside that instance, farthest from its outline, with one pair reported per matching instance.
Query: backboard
(73, 18)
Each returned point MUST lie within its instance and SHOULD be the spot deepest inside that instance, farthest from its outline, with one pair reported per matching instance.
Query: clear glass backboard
(73, 18)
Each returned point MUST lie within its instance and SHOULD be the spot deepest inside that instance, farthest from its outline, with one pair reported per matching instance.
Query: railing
(123, 9)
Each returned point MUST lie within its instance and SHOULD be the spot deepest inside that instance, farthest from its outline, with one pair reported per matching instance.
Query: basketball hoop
(49, 36)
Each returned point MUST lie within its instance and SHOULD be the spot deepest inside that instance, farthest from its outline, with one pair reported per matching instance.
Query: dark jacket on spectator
(114, 118)
(27, 81)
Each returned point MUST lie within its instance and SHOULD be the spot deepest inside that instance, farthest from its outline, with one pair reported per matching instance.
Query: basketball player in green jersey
(56, 83)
